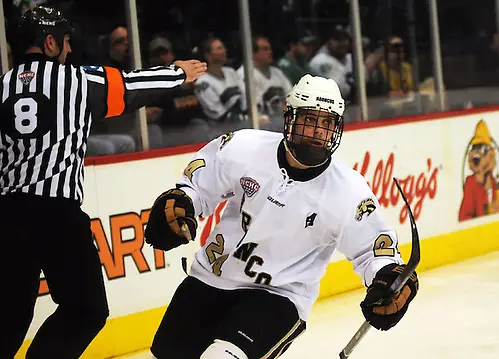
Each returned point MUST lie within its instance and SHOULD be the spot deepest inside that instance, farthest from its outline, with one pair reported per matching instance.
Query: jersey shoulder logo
(367, 206)
(325, 68)
(26, 77)
(249, 185)
(226, 138)
(284, 63)
(202, 86)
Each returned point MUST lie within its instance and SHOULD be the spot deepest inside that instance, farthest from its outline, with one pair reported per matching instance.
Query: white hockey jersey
(270, 91)
(218, 95)
(278, 233)
(325, 65)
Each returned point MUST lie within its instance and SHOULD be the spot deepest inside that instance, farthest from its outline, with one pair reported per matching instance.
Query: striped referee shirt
(46, 114)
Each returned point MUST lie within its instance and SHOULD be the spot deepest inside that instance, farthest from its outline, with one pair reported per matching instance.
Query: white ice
(455, 315)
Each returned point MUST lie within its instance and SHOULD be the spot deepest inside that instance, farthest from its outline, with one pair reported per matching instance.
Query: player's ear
(51, 47)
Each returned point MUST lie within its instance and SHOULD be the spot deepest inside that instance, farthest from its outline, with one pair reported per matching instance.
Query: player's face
(313, 127)
(264, 54)
(119, 43)
(396, 50)
(218, 53)
(300, 51)
(339, 48)
(167, 57)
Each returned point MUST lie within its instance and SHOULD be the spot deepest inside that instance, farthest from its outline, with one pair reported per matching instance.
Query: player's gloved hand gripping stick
(171, 221)
(398, 283)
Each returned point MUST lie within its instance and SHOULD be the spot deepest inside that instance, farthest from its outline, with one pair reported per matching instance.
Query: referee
(46, 112)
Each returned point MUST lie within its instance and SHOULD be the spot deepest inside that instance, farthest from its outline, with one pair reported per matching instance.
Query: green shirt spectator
(294, 64)
(293, 69)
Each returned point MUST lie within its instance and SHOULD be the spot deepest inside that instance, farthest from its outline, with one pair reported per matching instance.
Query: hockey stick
(397, 284)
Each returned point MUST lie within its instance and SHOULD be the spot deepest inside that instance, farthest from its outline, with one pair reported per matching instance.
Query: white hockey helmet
(319, 99)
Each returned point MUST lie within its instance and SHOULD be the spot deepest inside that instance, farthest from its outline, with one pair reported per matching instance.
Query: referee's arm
(113, 92)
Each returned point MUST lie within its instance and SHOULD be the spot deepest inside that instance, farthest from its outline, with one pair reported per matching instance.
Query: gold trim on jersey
(277, 350)
(193, 166)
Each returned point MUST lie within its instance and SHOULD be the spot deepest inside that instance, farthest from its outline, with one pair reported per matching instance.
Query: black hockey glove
(171, 221)
(382, 309)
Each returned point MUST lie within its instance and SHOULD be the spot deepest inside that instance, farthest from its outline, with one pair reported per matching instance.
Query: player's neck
(33, 50)
(294, 163)
(261, 65)
(295, 170)
(394, 64)
(264, 70)
(216, 70)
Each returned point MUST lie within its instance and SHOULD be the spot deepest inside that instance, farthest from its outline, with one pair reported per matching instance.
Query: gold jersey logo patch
(226, 138)
(367, 206)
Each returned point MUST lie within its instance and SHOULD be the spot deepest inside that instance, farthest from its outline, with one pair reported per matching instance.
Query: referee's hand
(193, 69)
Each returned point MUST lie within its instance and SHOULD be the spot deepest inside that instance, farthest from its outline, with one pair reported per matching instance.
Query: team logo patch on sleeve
(367, 206)
(249, 185)
(226, 138)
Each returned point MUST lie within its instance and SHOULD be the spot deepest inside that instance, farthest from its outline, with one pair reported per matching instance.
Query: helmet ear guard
(318, 105)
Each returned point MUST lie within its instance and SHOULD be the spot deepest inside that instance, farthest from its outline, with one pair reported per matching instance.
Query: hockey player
(290, 206)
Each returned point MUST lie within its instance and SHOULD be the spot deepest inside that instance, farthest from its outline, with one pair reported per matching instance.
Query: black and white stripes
(155, 77)
(43, 130)
(46, 113)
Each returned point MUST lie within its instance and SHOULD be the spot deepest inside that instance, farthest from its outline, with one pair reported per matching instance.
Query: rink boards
(429, 156)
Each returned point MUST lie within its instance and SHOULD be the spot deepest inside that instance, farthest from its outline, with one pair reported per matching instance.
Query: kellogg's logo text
(416, 187)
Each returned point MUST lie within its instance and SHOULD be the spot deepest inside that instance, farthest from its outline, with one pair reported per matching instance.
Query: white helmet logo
(47, 23)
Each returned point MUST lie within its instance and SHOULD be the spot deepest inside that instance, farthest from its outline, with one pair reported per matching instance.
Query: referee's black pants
(54, 236)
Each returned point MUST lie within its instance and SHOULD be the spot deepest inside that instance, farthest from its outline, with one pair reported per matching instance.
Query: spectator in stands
(395, 74)
(109, 144)
(294, 64)
(334, 60)
(394, 78)
(161, 51)
(118, 134)
(271, 85)
(118, 55)
(220, 90)
(177, 117)
(309, 41)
